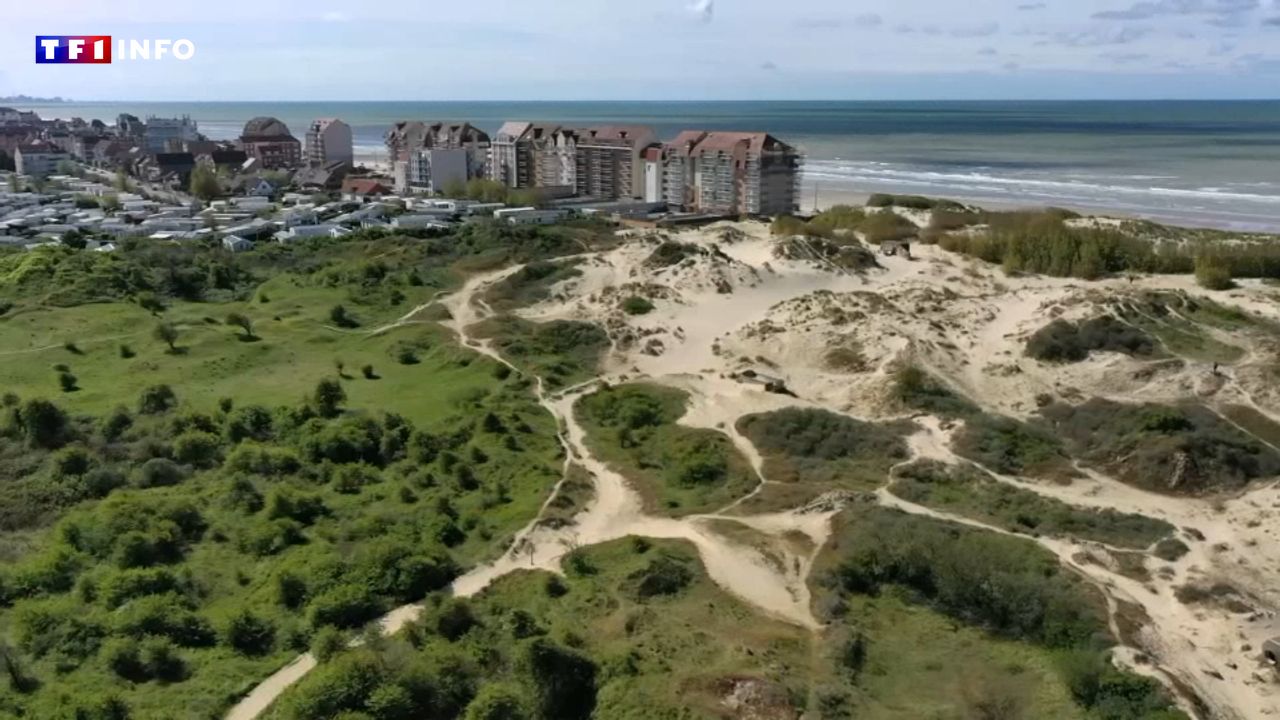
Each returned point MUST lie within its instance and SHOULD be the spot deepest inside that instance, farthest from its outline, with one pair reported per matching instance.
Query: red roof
(365, 186)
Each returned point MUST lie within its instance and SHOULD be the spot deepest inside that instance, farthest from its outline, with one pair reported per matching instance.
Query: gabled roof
(365, 186)
(265, 129)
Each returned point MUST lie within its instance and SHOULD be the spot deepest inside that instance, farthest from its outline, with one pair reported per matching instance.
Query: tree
(168, 334)
(15, 183)
(243, 322)
(250, 634)
(564, 681)
(44, 424)
(339, 316)
(109, 202)
(156, 399)
(204, 183)
(150, 302)
(122, 181)
(497, 702)
(329, 397)
(67, 382)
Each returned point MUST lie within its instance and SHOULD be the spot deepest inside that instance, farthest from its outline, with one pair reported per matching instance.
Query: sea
(1199, 163)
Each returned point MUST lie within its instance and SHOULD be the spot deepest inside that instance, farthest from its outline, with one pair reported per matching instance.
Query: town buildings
(329, 141)
(269, 141)
(608, 161)
(161, 135)
(436, 155)
(731, 172)
(38, 159)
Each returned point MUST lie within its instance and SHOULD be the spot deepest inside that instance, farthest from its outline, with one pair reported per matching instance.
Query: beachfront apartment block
(429, 156)
(731, 172)
(599, 162)
(609, 163)
(329, 141)
(160, 135)
(38, 159)
(269, 141)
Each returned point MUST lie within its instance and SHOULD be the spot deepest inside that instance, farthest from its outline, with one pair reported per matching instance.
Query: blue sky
(659, 49)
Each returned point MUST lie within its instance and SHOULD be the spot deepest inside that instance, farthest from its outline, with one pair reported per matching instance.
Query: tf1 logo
(96, 49)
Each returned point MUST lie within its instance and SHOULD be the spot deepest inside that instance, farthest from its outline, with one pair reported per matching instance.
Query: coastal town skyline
(725, 49)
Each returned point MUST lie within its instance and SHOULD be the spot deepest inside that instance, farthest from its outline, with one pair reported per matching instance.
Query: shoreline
(831, 193)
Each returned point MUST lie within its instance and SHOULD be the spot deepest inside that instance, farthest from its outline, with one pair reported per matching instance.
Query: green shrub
(1061, 341)
(249, 634)
(636, 305)
(1213, 272)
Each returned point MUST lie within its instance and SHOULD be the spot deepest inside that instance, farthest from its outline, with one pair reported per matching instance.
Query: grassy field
(975, 494)
(810, 452)
(677, 470)
(179, 521)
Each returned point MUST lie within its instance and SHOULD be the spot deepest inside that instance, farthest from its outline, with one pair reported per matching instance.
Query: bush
(327, 643)
(157, 399)
(662, 576)
(67, 382)
(249, 634)
(636, 305)
(44, 424)
(344, 606)
(885, 226)
(159, 472)
(1213, 273)
(1061, 341)
(197, 448)
(564, 681)
(919, 390)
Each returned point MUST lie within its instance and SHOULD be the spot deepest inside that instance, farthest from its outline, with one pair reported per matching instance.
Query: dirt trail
(956, 317)
(615, 512)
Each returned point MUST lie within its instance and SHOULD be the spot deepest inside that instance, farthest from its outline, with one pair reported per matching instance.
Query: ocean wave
(881, 173)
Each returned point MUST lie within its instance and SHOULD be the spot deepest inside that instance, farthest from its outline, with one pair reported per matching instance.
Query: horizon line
(72, 101)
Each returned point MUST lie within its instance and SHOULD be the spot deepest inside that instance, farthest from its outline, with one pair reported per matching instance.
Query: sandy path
(615, 512)
(706, 333)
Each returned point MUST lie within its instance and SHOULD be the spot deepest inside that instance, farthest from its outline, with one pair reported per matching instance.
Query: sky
(658, 49)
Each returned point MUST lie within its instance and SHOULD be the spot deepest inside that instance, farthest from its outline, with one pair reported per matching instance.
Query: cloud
(1032, 6)
(1271, 22)
(768, 66)
(704, 10)
(1124, 57)
(1148, 9)
(335, 16)
(976, 31)
(988, 51)
(826, 22)
(1097, 37)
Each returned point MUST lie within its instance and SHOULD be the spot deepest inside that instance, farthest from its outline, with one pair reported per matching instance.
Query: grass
(1183, 450)
(1253, 422)
(295, 350)
(1186, 327)
(822, 450)
(1012, 447)
(1042, 629)
(975, 494)
(530, 284)
(657, 656)
(562, 352)
(677, 470)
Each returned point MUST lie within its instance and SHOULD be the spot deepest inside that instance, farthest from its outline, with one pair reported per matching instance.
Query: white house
(301, 232)
(236, 244)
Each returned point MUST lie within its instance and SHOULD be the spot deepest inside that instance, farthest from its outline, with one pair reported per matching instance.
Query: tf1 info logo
(97, 49)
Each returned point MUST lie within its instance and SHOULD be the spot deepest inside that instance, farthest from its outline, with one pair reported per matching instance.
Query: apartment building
(269, 141)
(160, 135)
(445, 153)
(38, 159)
(329, 141)
(609, 161)
(731, 172)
